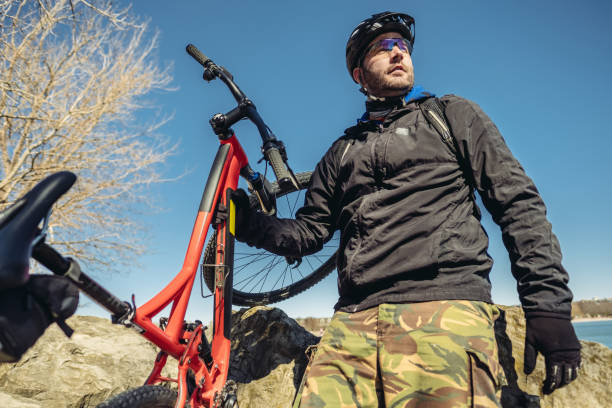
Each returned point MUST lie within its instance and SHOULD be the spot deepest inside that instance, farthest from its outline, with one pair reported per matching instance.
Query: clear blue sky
(541, 70)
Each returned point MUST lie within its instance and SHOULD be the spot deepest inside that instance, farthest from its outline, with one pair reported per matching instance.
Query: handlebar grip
(50, 258)
(198, 55)
(56, 263)
(278, 165)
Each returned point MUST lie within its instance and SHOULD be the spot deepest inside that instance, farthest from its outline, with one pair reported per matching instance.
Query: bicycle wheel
(146, 396)
(261, 277)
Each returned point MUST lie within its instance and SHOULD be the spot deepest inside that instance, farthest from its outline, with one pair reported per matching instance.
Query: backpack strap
(433, 110)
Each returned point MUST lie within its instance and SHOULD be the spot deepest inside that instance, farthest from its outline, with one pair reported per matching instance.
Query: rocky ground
(595, 308)
(268, 359)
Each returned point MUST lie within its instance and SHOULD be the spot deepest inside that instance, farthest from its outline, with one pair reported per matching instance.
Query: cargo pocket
(310, 353)
(486, 377)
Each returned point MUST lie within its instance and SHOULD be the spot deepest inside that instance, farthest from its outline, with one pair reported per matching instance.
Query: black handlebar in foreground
(20, 238)
(56, 263)
(19, 226)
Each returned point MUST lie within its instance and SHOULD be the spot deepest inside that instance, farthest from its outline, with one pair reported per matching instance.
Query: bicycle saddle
(19, 227)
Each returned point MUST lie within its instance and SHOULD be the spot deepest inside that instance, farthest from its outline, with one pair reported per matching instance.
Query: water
(599, 331)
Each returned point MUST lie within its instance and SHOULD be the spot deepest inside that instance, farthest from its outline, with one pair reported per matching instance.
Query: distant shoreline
(590, 319)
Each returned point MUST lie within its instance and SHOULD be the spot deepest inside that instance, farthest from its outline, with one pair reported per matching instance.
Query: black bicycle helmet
(370, 28)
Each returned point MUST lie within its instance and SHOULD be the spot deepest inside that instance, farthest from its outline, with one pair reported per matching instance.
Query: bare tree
(73, 76)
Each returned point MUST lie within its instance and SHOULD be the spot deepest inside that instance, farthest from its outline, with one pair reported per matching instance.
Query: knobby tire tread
(240, 298)
(146, 396)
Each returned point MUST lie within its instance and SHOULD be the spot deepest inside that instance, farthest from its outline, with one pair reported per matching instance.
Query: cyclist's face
(386, 73)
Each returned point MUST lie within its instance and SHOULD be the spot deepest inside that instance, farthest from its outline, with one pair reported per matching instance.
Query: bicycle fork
(203, 367)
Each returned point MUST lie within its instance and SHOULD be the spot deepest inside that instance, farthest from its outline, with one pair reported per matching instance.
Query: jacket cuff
(554, 315)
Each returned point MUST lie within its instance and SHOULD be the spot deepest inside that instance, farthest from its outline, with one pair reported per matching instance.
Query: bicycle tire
(146, 396)
(247, 298)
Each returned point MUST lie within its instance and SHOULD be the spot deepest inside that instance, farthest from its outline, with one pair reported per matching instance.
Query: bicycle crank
(227, 397)
(231, 402)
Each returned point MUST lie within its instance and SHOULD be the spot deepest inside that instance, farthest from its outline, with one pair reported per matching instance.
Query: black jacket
(410, 229)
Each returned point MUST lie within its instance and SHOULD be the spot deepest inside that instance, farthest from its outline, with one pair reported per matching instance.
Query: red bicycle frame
(203, 365)
(190, 347)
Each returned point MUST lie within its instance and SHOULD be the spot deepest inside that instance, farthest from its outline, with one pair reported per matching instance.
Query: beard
(382, 85)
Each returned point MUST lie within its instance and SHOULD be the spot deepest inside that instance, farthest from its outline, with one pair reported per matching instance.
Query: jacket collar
(380, 108)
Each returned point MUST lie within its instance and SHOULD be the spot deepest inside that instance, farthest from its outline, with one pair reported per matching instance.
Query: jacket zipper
(379, 169)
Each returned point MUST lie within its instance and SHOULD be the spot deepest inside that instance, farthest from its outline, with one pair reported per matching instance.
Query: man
(414, 321)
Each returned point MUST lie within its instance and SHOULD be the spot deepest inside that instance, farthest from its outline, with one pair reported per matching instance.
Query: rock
(315, 325)
(99, 360)
(268, 356)
(267, 362)
(590, 389)
(592, 308)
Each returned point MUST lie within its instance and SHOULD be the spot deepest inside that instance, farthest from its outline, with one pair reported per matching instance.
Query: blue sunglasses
(387, 44)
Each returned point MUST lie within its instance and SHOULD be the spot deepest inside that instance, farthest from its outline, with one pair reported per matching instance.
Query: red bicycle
(203, 365)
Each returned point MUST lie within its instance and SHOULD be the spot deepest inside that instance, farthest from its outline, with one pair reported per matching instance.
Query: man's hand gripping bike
(203, 365)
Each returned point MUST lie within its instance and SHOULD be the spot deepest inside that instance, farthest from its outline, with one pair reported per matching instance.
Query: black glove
(556, 340)
(243, 209)
(26, 311)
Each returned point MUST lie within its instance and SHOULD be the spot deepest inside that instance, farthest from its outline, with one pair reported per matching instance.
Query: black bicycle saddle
(19, 227)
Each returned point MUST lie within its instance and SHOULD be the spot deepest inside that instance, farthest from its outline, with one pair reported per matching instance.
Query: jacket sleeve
(313, 225)
(516, 206)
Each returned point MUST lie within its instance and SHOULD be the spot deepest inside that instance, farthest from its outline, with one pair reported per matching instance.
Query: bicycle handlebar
(21, 238)
(212, 70)
(278, 166)
(198, 55)
(19, 227)
(51, 259)
(56, 263)
(273, 149)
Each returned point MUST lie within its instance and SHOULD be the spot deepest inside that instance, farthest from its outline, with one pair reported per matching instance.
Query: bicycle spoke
(257, 259)
(241, 268)
(283, 274)
(268, 268)
(258, 255)
(258, 272)
(265, 276)
(253, 269)
(295, 203)
(252, 276)
(308, 260)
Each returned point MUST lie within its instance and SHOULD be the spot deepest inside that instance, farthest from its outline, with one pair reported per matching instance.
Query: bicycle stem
(272, 148)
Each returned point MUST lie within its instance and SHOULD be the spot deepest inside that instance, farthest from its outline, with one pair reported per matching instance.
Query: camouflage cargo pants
(430, 354)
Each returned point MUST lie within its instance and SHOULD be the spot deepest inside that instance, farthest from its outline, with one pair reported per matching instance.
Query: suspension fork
(208, 363)
(224, 268)
(224, 263)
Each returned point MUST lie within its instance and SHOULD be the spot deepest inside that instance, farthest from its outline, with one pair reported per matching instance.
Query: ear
(358, 75)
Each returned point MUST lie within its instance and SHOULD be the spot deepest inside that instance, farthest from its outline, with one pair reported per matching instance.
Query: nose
(397, 53)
